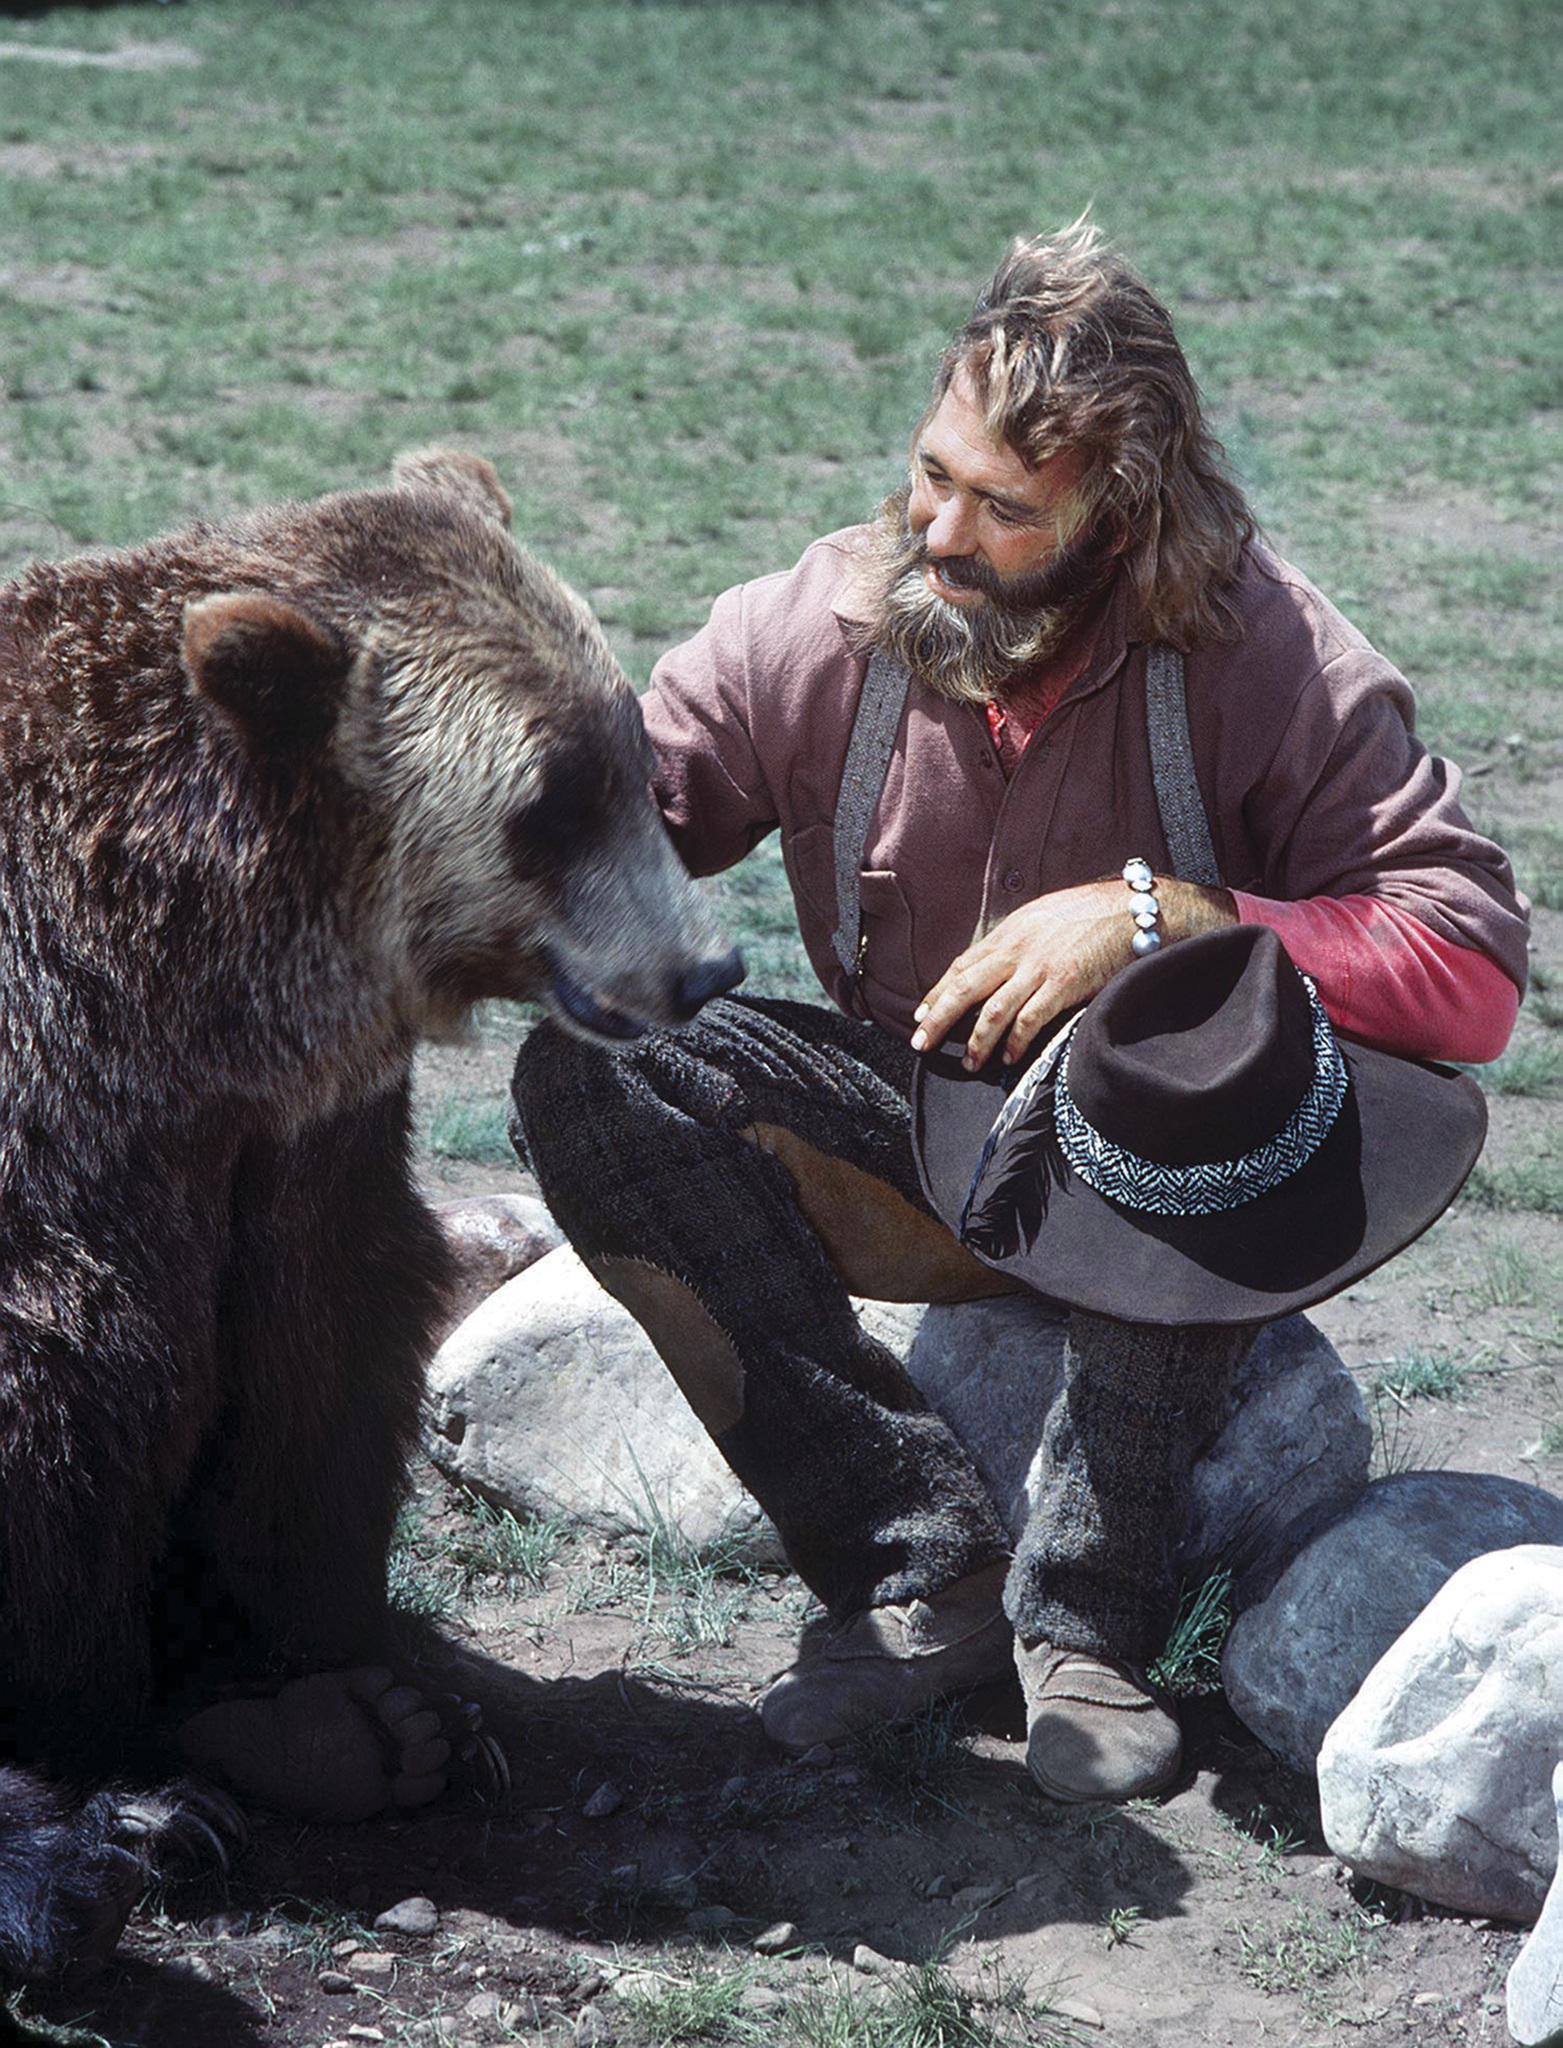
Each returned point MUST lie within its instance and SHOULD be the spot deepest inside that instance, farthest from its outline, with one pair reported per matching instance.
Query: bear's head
(505, 839)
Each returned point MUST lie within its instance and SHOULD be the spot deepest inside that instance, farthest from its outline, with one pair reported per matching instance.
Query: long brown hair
(1066, 348)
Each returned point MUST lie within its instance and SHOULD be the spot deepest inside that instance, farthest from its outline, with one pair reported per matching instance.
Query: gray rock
(1294, 1452)
(409, 1916)
(1435, 1776)
(493, 1237)
(776, 1939)
(550, 1400)
(1297, 1656)
(1535, 1990)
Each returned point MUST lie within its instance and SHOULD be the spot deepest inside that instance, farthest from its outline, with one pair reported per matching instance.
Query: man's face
(988, 522)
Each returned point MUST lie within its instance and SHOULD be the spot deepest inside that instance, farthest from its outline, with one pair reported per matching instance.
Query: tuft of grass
(420, 1587)
(1190, 1661)
(917, 1762)
(1419, 1376)
(1533, 1180)
(924, 2006)
(1533, 1068)
(1120, 1923)
(459, 1127)
(1305, 1954)
(493, 1543)
(704, 2006)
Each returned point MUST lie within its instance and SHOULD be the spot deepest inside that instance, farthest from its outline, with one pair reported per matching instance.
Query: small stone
(605, 1800)
(760, 1999)
(776, 1939)
(371, 1964)
(870, 1963)
(732, 1790)
(345, 1948)
(940, 1887)
(975, 1897)
(817, 1758)
(484, 2005)
(710, 1919)
(334, 1984)
(366, 2033)
(409, 1916)
(1077, 2010)
(226, 1926)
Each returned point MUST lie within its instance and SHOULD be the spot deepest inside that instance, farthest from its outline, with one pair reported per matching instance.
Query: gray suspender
(1184, 823)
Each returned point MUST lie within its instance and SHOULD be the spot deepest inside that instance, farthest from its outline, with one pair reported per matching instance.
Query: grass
(462, 1127)
(1190, 1660)
(1307, 1953)
(1418, 1376)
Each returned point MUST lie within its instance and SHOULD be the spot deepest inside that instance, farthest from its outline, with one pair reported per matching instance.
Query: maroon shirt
(1304, 744)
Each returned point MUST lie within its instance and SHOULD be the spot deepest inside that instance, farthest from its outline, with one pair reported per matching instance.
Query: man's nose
(950, 531)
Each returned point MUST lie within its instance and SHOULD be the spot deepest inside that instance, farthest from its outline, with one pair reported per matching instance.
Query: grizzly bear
(278, 799)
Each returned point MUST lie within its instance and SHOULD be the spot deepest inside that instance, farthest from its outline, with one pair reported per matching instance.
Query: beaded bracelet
(1143, 906)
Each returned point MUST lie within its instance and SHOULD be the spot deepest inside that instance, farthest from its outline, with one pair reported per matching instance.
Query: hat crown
(1193, 1060)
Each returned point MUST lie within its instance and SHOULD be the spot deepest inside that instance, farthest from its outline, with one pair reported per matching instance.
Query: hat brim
(1407, 1136)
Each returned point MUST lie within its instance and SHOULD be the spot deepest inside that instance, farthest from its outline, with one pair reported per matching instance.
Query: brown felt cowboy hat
(1196, 1145)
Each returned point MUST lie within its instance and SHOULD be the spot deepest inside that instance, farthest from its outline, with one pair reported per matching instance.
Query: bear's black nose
(707, 978)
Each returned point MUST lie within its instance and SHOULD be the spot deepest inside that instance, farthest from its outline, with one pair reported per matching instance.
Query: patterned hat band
(1210, 1186)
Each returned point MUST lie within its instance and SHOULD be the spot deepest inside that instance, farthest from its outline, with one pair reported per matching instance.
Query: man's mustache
(1074, 572)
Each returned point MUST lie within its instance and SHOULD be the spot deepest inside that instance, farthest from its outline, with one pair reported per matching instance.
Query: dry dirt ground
(570, 1913)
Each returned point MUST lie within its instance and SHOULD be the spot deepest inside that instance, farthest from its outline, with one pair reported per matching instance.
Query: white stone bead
(1146, 942)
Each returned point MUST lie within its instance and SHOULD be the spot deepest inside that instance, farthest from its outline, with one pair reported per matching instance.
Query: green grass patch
(1419, 1376)
(322, 235)
(1530, 1179)
(468, 1128)
(1190, 1660)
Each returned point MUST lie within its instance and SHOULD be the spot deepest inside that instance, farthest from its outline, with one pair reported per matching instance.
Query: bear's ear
(456, 474)
(277, 674)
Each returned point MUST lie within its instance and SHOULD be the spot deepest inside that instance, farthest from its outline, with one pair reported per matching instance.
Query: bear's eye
(559, 821)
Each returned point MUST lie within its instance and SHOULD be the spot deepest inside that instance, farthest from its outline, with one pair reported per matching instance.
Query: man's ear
(277, 674)
(455, 474)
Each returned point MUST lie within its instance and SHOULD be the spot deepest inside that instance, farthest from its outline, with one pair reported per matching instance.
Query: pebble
(818, 1757)
(1077, 2010)
(872, 1964)
(334, 1984)
(366, 2033)
(605, 1800)
(366, 1963)
(776, 1939)
(940, 1887)
(710, 1919)
(409, 1916)
(974, 1897)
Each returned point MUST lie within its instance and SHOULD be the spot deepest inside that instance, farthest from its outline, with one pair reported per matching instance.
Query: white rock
(1436, 1777)
(550, 1399)
(1295, 1658)
(1535, 1990)
(492, 1238)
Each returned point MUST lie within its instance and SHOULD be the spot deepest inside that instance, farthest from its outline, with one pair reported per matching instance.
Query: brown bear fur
(280, 797)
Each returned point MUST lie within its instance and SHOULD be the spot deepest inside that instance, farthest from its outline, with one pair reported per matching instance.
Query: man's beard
(969, 653)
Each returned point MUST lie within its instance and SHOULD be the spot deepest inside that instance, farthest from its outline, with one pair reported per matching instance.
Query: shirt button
(1013, 880)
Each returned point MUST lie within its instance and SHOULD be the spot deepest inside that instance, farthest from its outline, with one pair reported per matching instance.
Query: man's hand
(1049, 955)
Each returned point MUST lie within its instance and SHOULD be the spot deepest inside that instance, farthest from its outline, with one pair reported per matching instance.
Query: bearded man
(1058, 658)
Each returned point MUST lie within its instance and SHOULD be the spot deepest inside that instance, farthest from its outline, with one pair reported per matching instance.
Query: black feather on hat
(1197, 1145)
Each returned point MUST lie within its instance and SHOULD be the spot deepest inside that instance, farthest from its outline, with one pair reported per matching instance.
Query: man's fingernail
(919, 1041)
(920, 1013)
